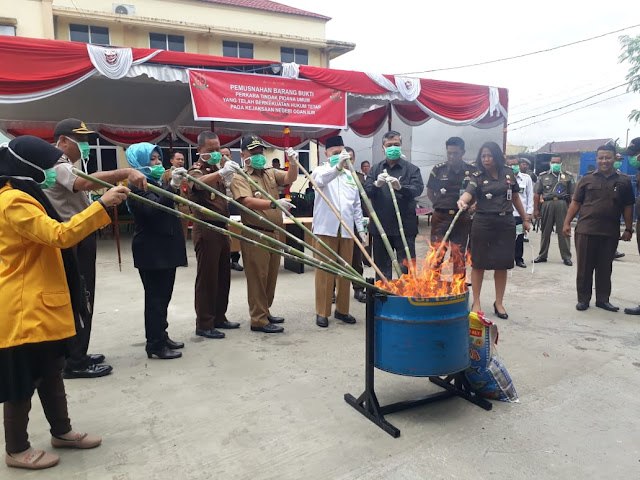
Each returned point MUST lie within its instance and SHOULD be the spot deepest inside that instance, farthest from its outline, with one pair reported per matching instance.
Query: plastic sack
(486, 374)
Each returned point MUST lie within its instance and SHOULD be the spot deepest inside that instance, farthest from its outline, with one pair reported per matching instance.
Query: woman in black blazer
(158, 248)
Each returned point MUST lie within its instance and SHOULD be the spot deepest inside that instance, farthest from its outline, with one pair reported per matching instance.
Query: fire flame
(434, 277)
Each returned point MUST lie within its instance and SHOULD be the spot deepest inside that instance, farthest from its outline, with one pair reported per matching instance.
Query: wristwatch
(273, 205)
(630, 230)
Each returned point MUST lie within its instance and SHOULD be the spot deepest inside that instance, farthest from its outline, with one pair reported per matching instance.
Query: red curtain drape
(454, 101)
(129, 137)
(44, 133)
(343, 80)
(370, 122)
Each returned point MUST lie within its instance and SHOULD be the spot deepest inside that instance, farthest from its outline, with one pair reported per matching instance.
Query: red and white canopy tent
(131, 95)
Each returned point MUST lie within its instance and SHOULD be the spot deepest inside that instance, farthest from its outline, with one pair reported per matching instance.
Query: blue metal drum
(421, 337)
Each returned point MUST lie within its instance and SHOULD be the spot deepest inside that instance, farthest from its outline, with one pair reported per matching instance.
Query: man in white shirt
(339, 187)
(526, 196)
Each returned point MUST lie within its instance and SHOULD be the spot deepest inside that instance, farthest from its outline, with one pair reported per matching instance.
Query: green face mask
(393, 153)
(516, 169)
(556, 167)
(214, 158)
(49, 179)
(333, 160)
(634, 162)
(156, 171)
(617, 165)
(258, 161)
(84, 148)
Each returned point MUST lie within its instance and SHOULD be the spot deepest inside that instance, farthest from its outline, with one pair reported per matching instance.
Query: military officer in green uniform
(445, 185)
(554, 188)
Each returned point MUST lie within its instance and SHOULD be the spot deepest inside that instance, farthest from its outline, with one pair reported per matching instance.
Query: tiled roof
(573, 146)
(267, 6)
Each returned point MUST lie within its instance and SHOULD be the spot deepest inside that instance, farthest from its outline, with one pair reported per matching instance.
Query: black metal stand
(369, 406)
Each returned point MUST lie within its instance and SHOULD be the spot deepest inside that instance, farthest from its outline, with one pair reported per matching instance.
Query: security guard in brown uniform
(555, 187)
(600, 198)
(446, 184)
(213, 277)
(260, 266)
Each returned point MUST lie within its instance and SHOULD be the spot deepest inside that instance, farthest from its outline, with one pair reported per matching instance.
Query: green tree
(631, 53)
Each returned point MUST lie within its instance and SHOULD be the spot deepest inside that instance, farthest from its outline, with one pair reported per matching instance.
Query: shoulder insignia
(477, 174)
(440, 165)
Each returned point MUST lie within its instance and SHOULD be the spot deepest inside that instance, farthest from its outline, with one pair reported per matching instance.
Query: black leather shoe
(165, 353)
(237, 267)
(582, 306)
(632, 311)
(618, 255)
(540, 260)
(322, 321)
(96, 358)
(92, 371)
(227, 325)
(607, 306)
(345, 317)
(504, 315)
(521, 264)
(171, 345)
(275, 319)
(268, 328)
(567, 262)
(213, 333)
(525, 239)
(360, 296)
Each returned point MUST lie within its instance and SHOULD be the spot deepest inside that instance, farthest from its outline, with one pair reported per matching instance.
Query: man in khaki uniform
(555, 187)
(260, 266)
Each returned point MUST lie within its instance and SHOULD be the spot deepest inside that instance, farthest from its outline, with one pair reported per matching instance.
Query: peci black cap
(249, 142)
(334, 142)
(71, 126)
(634, 148)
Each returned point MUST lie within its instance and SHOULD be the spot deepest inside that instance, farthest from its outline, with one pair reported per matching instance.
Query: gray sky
(423, 35)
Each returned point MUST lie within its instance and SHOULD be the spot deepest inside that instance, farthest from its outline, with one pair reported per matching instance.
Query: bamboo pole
(411, 266)
(266, 221)
(374, 216)
(340, 260)
(447, 233)
(344, 224)
(305, 259)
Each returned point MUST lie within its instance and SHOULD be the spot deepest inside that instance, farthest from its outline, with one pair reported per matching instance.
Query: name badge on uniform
(486, 182)
(509, 194)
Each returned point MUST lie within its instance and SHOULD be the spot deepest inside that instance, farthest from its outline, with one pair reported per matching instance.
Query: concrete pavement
(258, 406)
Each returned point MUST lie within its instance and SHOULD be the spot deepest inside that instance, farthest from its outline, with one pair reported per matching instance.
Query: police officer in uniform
(260, 266)
(555, 187)
(446, 183)
(600, 198)
(213, 277)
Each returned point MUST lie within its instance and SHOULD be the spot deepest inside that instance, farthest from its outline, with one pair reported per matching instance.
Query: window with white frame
(103, 155)
(174, 43)
(89, 34)
(294, 55)
(8, 30)
(237, 49)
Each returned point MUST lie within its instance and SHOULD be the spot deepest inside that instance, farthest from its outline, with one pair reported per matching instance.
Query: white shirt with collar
(526, 194)
(341, 190)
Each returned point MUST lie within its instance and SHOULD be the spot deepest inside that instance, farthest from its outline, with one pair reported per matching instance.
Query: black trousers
(519, 242)
(54, 403)
(594, 253)
(79, 344)
(158, 288)
(440, 222)
(381, 257)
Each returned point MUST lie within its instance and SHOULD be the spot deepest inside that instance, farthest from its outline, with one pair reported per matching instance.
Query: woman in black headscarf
(42, 295)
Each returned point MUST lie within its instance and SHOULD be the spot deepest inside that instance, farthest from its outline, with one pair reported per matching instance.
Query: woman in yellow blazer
(41, 294)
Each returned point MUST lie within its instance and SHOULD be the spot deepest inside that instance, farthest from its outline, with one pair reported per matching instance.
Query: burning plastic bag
(486, 374)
